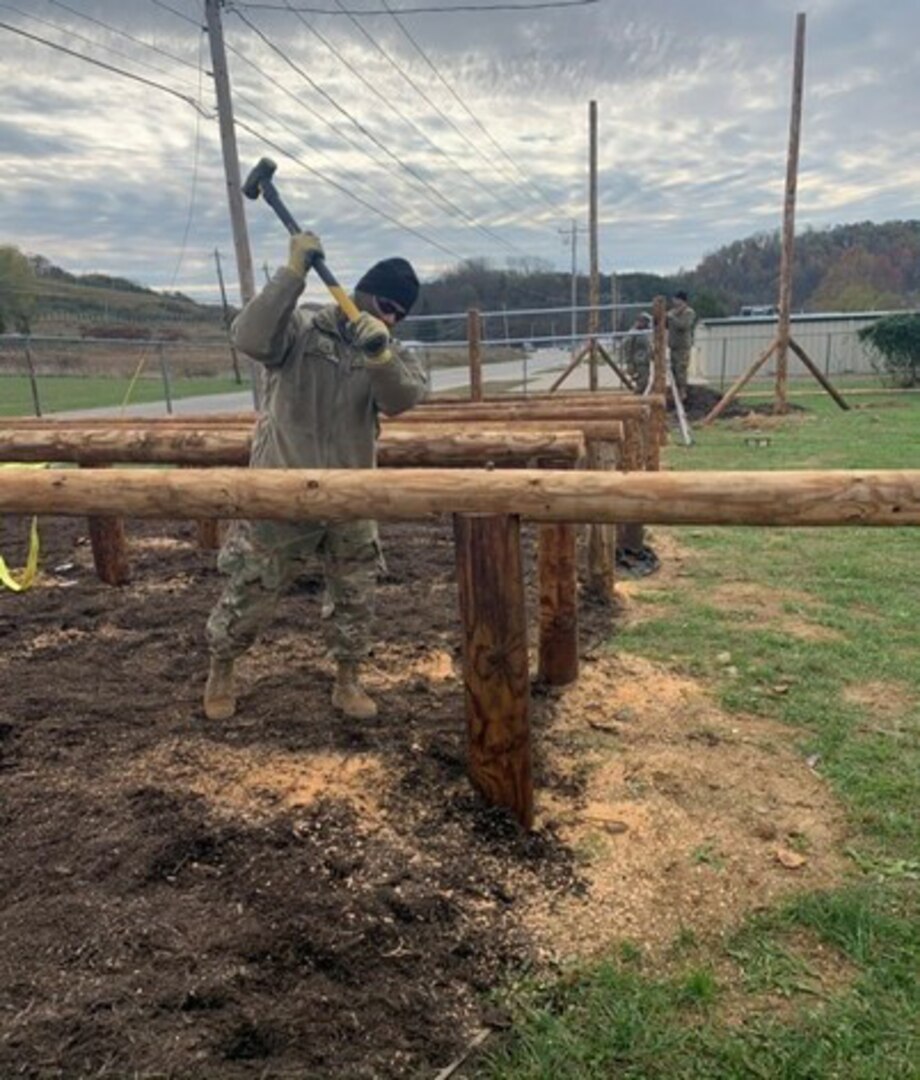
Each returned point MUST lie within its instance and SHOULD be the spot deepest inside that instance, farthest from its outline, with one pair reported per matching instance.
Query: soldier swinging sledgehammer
(326, 379)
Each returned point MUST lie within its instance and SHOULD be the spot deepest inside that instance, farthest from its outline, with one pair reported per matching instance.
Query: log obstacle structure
(492, 603)
(556, 543)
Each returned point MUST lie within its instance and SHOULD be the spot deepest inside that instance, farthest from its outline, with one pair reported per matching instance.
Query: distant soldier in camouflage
(637, 351)
(681, 318)
(325, 382)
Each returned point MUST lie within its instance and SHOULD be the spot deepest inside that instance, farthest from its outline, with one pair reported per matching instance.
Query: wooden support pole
(631, 535)
(110, 549)
(601, 550)
(615, 367)
(570, 367)
(474, 344)
(788, 242)
(817, 372)
(735, 389)
(594, 285)
(539, 410)
(495, 665)
(557, 573)
(881, 497)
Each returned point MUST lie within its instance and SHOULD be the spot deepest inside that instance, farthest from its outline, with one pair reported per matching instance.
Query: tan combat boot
(349, 696)
(220, 692)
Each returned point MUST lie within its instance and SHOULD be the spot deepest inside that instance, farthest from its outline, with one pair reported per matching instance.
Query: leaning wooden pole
(495, 666)
(883, 497)
(788, 242)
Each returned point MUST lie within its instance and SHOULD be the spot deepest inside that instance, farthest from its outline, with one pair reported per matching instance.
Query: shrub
(894, 344)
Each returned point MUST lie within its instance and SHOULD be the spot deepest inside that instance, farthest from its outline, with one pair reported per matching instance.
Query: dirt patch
(890, 703)
(762, 606)
(686, 816)
(701, 400)
(291, 893)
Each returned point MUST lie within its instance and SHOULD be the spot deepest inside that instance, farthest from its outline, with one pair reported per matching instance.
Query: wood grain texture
(557, 574)
(809, 497)
(496, 678)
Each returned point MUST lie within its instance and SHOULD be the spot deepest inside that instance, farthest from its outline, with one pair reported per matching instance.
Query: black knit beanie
(392, 279)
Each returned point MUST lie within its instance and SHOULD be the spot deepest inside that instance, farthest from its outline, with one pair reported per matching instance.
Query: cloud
(693, 108)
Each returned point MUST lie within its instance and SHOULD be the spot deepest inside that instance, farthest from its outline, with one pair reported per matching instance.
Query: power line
(351, 195)
(178, 14)
(536, 5)
(125, 34)
(107, 67)
(395, 109)
(463, 105)
(314, 150)
(419, 90)
(83, 37)
(377, 142)
(361, 149)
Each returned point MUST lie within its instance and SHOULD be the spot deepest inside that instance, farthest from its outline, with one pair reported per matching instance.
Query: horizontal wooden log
(449, 448)
(810, 497)
(606, 430)
(520, 411)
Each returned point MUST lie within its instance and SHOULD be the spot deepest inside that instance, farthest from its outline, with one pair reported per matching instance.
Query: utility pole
(226, 310)
(594, 283)
(571, 235)
(231, 161)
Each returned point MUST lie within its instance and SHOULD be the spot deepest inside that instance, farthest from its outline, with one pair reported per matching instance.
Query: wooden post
(495, 666)
(788, 246)
(557, 572)
(601, 542)
(474, 343)
(594, 285)
(33, 382)
(110, 550)
(631, 535)
(164, 371)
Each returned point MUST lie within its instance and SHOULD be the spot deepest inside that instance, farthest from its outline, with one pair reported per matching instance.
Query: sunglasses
(388, 307)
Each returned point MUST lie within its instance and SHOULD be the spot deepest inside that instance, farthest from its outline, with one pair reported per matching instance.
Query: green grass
(753, 1005)
(59, 393)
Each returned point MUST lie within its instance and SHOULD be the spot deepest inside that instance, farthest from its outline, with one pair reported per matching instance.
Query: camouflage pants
(680, 365)
(263, 558)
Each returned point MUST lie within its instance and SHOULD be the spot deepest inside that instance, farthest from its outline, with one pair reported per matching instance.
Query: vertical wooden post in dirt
(474, 344)
(594, 284)
(601, 538)
(495, 666)
(208, 534)
(558, 588)
(781, 404)
(110, 550)
(631, 536)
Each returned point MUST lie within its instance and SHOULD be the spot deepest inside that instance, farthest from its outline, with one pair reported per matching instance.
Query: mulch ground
(239, 925)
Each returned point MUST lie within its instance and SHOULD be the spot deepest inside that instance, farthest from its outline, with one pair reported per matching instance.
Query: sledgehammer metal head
(259, 182)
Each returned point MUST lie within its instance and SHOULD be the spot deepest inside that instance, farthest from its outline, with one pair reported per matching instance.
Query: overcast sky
(104, 174)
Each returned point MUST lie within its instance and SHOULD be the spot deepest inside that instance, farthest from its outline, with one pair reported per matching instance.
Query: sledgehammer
(259, 182)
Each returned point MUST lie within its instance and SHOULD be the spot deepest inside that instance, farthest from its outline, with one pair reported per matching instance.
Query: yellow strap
(19, 581)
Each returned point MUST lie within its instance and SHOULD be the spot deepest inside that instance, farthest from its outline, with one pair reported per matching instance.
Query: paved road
(535, 373)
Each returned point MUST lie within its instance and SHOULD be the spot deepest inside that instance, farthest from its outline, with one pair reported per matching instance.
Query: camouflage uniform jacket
(321, 400)
(680, 328)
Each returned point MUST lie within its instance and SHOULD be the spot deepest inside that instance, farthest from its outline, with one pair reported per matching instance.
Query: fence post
(827, 354)
(474, 339)
(724, 364)
(33, 382)
(161, 356)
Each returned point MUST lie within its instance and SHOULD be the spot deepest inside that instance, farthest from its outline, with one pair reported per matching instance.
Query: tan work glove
(372, 337)
(304, 248)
